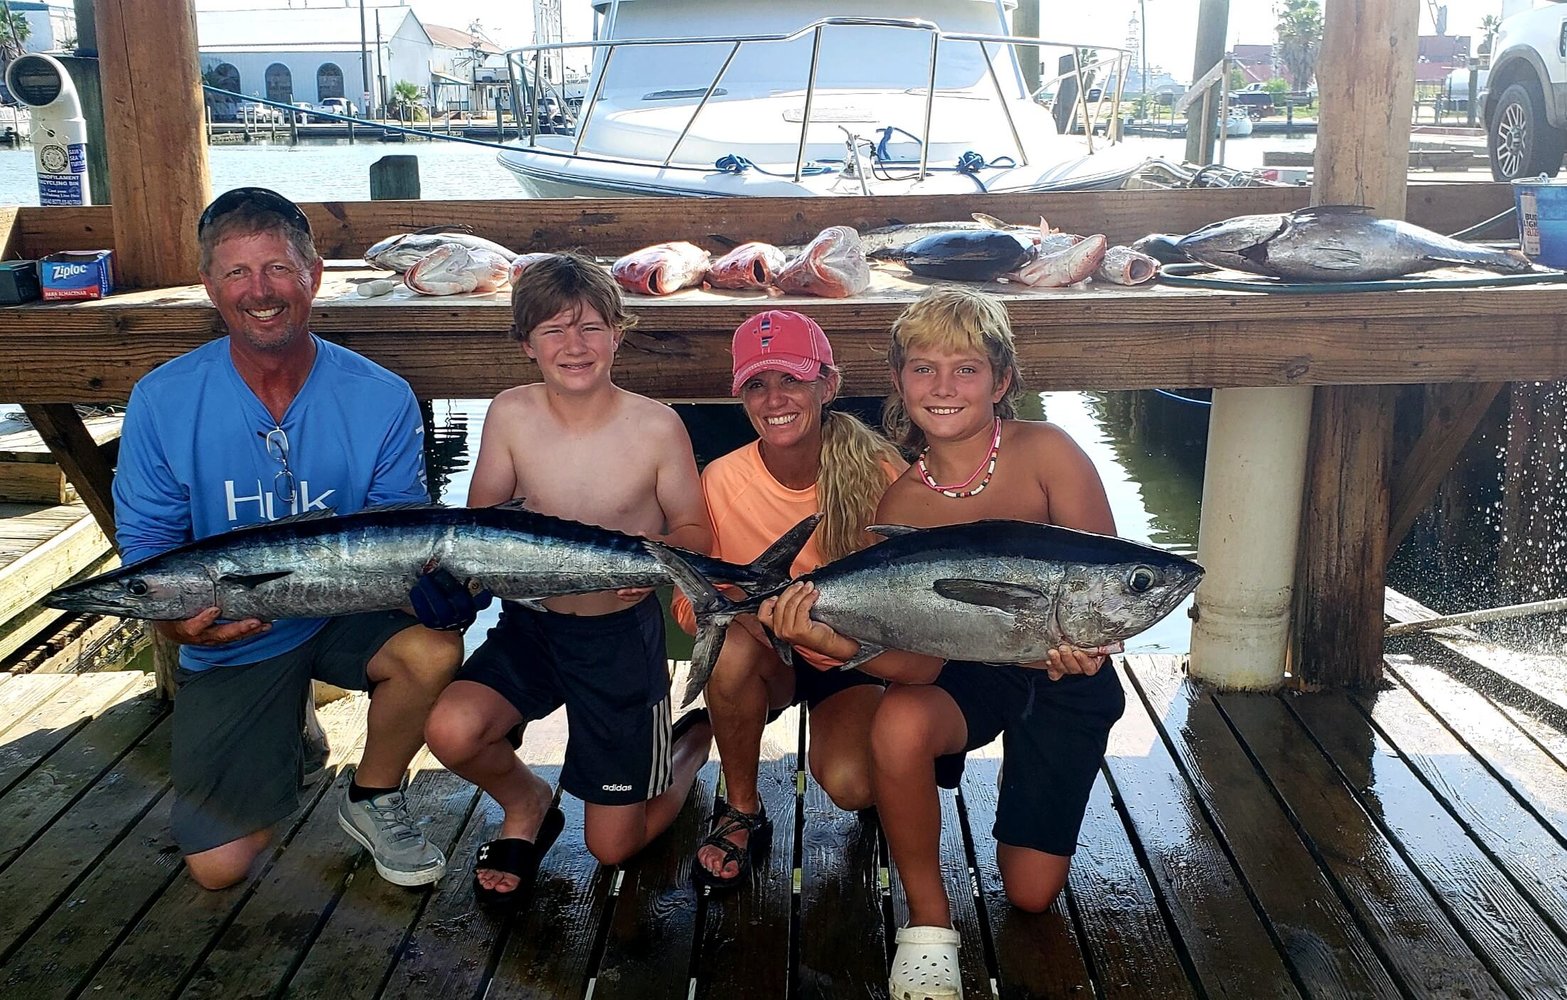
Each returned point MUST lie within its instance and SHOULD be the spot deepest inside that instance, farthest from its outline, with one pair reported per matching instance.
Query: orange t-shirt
(750, 510)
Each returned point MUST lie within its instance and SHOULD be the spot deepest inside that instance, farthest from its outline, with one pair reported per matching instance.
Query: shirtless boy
(577, 446)
(956, 384)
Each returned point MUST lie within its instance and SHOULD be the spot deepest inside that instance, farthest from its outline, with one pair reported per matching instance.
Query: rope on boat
(734, 163)
(1483, 615)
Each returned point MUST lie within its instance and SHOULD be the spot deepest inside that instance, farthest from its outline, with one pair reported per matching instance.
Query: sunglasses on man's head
(260, 197)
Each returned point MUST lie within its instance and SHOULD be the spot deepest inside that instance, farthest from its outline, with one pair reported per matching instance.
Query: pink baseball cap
(782, 341)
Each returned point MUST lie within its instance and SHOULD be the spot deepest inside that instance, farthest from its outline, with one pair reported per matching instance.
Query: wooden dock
(1407, 844)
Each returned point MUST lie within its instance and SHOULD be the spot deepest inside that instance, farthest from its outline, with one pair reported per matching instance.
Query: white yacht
(812, 97)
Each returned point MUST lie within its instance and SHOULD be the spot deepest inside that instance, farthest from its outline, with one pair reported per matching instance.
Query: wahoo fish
(977, 255)
(995, 591)
(749, 265)
(399, 253)
(832, 265)
(661, 268)
(1338, 243)
(452, 269)
(322, 564)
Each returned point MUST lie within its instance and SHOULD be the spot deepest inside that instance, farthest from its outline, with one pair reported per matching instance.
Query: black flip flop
(515, 856)
(732, 820)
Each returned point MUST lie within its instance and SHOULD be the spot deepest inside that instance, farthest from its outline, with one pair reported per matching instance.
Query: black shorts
(813, 686)
(610, 672)
(1053, 738)
(237, 755)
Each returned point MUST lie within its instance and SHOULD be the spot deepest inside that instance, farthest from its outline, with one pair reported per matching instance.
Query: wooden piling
(1366, 81)
(395, 178)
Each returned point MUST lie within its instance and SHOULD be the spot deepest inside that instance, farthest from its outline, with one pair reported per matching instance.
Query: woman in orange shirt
(806, 460)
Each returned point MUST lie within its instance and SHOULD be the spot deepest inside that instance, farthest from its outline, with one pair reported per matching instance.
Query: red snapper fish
(1126, 266)
(749, 265)
(832, 265)
(525, 261)
(661, 268)
(451, 269)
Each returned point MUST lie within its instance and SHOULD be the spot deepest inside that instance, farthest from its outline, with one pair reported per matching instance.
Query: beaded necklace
(961, 490)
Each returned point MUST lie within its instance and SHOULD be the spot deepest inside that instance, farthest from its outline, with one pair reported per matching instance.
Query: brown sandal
(731, 820)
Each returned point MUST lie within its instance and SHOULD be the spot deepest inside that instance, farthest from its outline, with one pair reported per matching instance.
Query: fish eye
(137, 587)
(1141, 579)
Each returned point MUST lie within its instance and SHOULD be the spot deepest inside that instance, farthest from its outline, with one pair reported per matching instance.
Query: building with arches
(309, 54)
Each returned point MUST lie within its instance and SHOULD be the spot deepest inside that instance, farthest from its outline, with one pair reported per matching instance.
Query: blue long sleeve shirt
(194, 461)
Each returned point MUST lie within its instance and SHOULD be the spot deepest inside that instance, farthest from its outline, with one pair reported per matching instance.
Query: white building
(50, 26)
(310, 54)
(467, 71)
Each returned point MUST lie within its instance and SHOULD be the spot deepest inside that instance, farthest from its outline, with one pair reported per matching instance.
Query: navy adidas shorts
(610, 672)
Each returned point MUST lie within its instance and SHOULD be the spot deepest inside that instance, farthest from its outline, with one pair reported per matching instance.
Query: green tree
(1490, 24)
(406, 99)
(1299, 38)
(14, 32)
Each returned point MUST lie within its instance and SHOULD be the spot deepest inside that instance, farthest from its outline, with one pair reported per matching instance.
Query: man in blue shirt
(264, 423)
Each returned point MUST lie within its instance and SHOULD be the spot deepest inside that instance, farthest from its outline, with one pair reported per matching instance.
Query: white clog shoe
(925, 966)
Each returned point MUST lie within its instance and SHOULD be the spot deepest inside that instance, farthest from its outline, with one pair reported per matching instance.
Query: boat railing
(1083, 72)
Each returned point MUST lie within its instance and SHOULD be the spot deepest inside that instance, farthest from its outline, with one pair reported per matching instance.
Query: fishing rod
(1484, 615)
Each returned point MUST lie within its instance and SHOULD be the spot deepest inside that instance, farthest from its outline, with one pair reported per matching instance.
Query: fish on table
(400, 252)
(1060, 260)
(1124, 266)
(523, 262)
(1338, 243)
(749, 265)
(662, 268)
(832, 265)
(903, 233)
(996, 591)
(963, 255)
(322, 564)
(453, 269)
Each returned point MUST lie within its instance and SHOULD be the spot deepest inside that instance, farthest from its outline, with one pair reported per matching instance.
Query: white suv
(1524, 102)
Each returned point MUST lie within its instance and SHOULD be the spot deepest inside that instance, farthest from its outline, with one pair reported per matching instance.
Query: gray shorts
(237, 758)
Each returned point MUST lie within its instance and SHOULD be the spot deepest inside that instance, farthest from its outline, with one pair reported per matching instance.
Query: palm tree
(14, 31)
(1299, 38)
(1490, 24)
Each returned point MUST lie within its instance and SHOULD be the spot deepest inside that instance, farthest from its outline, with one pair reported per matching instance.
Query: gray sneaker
(383, 827)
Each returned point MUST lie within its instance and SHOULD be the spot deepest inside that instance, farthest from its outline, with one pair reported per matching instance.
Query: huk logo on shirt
(267, 503)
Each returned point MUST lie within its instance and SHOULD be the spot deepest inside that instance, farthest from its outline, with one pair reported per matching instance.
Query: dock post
(395, 178)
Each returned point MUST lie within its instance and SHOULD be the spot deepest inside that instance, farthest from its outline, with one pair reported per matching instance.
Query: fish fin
(891, 530)
(1332, 210)
(713, 612)
(252, 580)
(773, 568)
(515, 503)
(868, 651)
(309, 515)
(454, 227)
(727, 242)
(1337, 257)
(990, 220)
(534, 604)
(401, 505)
(990, 594)
(783, 650)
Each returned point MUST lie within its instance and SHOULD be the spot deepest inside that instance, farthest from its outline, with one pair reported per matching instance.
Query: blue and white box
(76, 274)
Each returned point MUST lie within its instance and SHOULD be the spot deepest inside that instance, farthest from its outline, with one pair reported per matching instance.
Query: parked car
(339, 106)
(302, 115)
(1258, 103)
(255, 111)
(1524, 99)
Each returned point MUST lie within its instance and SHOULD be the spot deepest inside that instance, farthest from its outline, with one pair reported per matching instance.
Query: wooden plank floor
(1411, 843)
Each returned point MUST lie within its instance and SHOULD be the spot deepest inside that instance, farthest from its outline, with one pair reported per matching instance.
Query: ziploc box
(75, 274)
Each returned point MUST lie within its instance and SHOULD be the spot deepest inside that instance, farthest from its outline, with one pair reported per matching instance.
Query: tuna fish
(399, 253)
(1058, 264)
(661, 268)
(452, 269)
(1338, 243)
(977, 255)
(994, 591)
(1125, 266)
(901, 235)
(832, 265)
(749, 265)
(321, 564)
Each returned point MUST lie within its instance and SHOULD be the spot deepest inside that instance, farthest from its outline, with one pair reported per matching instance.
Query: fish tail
(774, 568)
(713, 612)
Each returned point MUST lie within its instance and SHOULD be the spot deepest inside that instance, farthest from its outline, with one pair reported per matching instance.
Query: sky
(1172, 24)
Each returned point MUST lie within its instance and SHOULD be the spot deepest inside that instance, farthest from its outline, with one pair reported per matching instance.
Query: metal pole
(805, 118)
(1142, 40)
